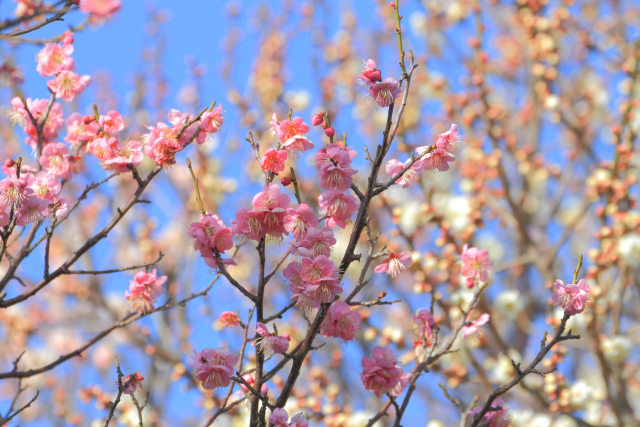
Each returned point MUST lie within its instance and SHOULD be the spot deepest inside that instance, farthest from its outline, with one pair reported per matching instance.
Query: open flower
(269, 342)
(573, 298)
(381, 374)
(385, 93)
(394, 263)
(341, 322)
(472, 327)
(131, 382)
(475, 264)
(144, 289)
(213, 368)
(495, 417)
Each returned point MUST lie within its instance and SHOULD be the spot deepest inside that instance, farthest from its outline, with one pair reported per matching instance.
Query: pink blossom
(80, 129)
(123, 156)
(99, 10)
(211, 235)
(317, 241)
(279, 418)
(67, 37)
(211, 121)
(317, 269)
(394, 167)
(54, 58)
(291, 133)
(67, 85)
(188, 134)
(298, 221)
(384, 93)
(423, 325)
(32, 209)
(472, 327)
(449, 140)
(229, 319)
(339, 206)
(437, 158)
(162, 144)
(333, 163)
(573, 298)
(394, 263)
(475, 263)
(213, 368)
(112, 122)
(251, 380)
(382, 374)
(46, 186)
(38, 108)
(14, 190)
(55, 159)
(270, 342)
(131, 382)
(273, 160)
(248, 224)
(144, 289)
(496, 417)
(370, 74)
(341, 322)
(272, 204)
(317, 119)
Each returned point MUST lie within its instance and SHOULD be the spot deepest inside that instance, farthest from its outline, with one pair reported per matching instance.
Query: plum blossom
(100, 10)
(341, 322)
(131, 382)
(573, 298)
(273, 160)
(67, 85)
(248, 225)
(291, 133)
(384, 93)
(213, 368)
(333, 163)
(123, 156)
(14, 190)
(46, 186)
(112, 122)
(496, 417)
(269, 342)
(471, 328)
(339, 206)
(38, 109)
(32, 209)
(422, 324)
(382, 374)
(394, 263)
(189, 133)
(394, 167)
(162, 144)
(81, 129)
(279, 418)
(298, 221)
(55, 58)
(211, 235)
(55, 159)
(475, 265)
(211, 121)
(312, 281)
(229, 319)
(144, 289)
(370, 74)
(317, 241)
(442, 152)
(272, 204)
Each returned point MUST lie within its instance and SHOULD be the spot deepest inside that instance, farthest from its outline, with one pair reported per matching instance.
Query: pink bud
(329, 132)
(317, 119)
(67, 37)
(285, 181)
(8, 163)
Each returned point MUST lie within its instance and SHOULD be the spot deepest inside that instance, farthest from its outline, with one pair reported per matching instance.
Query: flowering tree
(402, 244)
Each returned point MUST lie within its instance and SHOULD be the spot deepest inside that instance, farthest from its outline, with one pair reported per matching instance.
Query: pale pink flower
(317, 269)
(394, 263)
(32, 209)
(423, 325)
(370, 74)
(291, 133)
(272, 204)
(81, 129)
(394, 167)
(382, 374)
(38, 108)
(162, 144)
(449, 140)
(270, 342)
(213, 368)
(211, 235)
(339, 206)
(273, 160)
(298, 221)
(341, 322)
(437, 158)
(573, 298)
(67, 85)
(495, 417)
(317, 241)
(384, 93)
(229, 319)
(248, 224)
(211, 121)
(112, 122)
(131, 382)
(475, 264)
(67, 37)
(54, 58)
(188, 134)
(46, 186)
(333, 163)
(103, 148)
(14, 190)
(472, 327)
(123, 156)
(279, 418)
(251, 380)
(144, 289)
(100, 10)
(55, 160)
